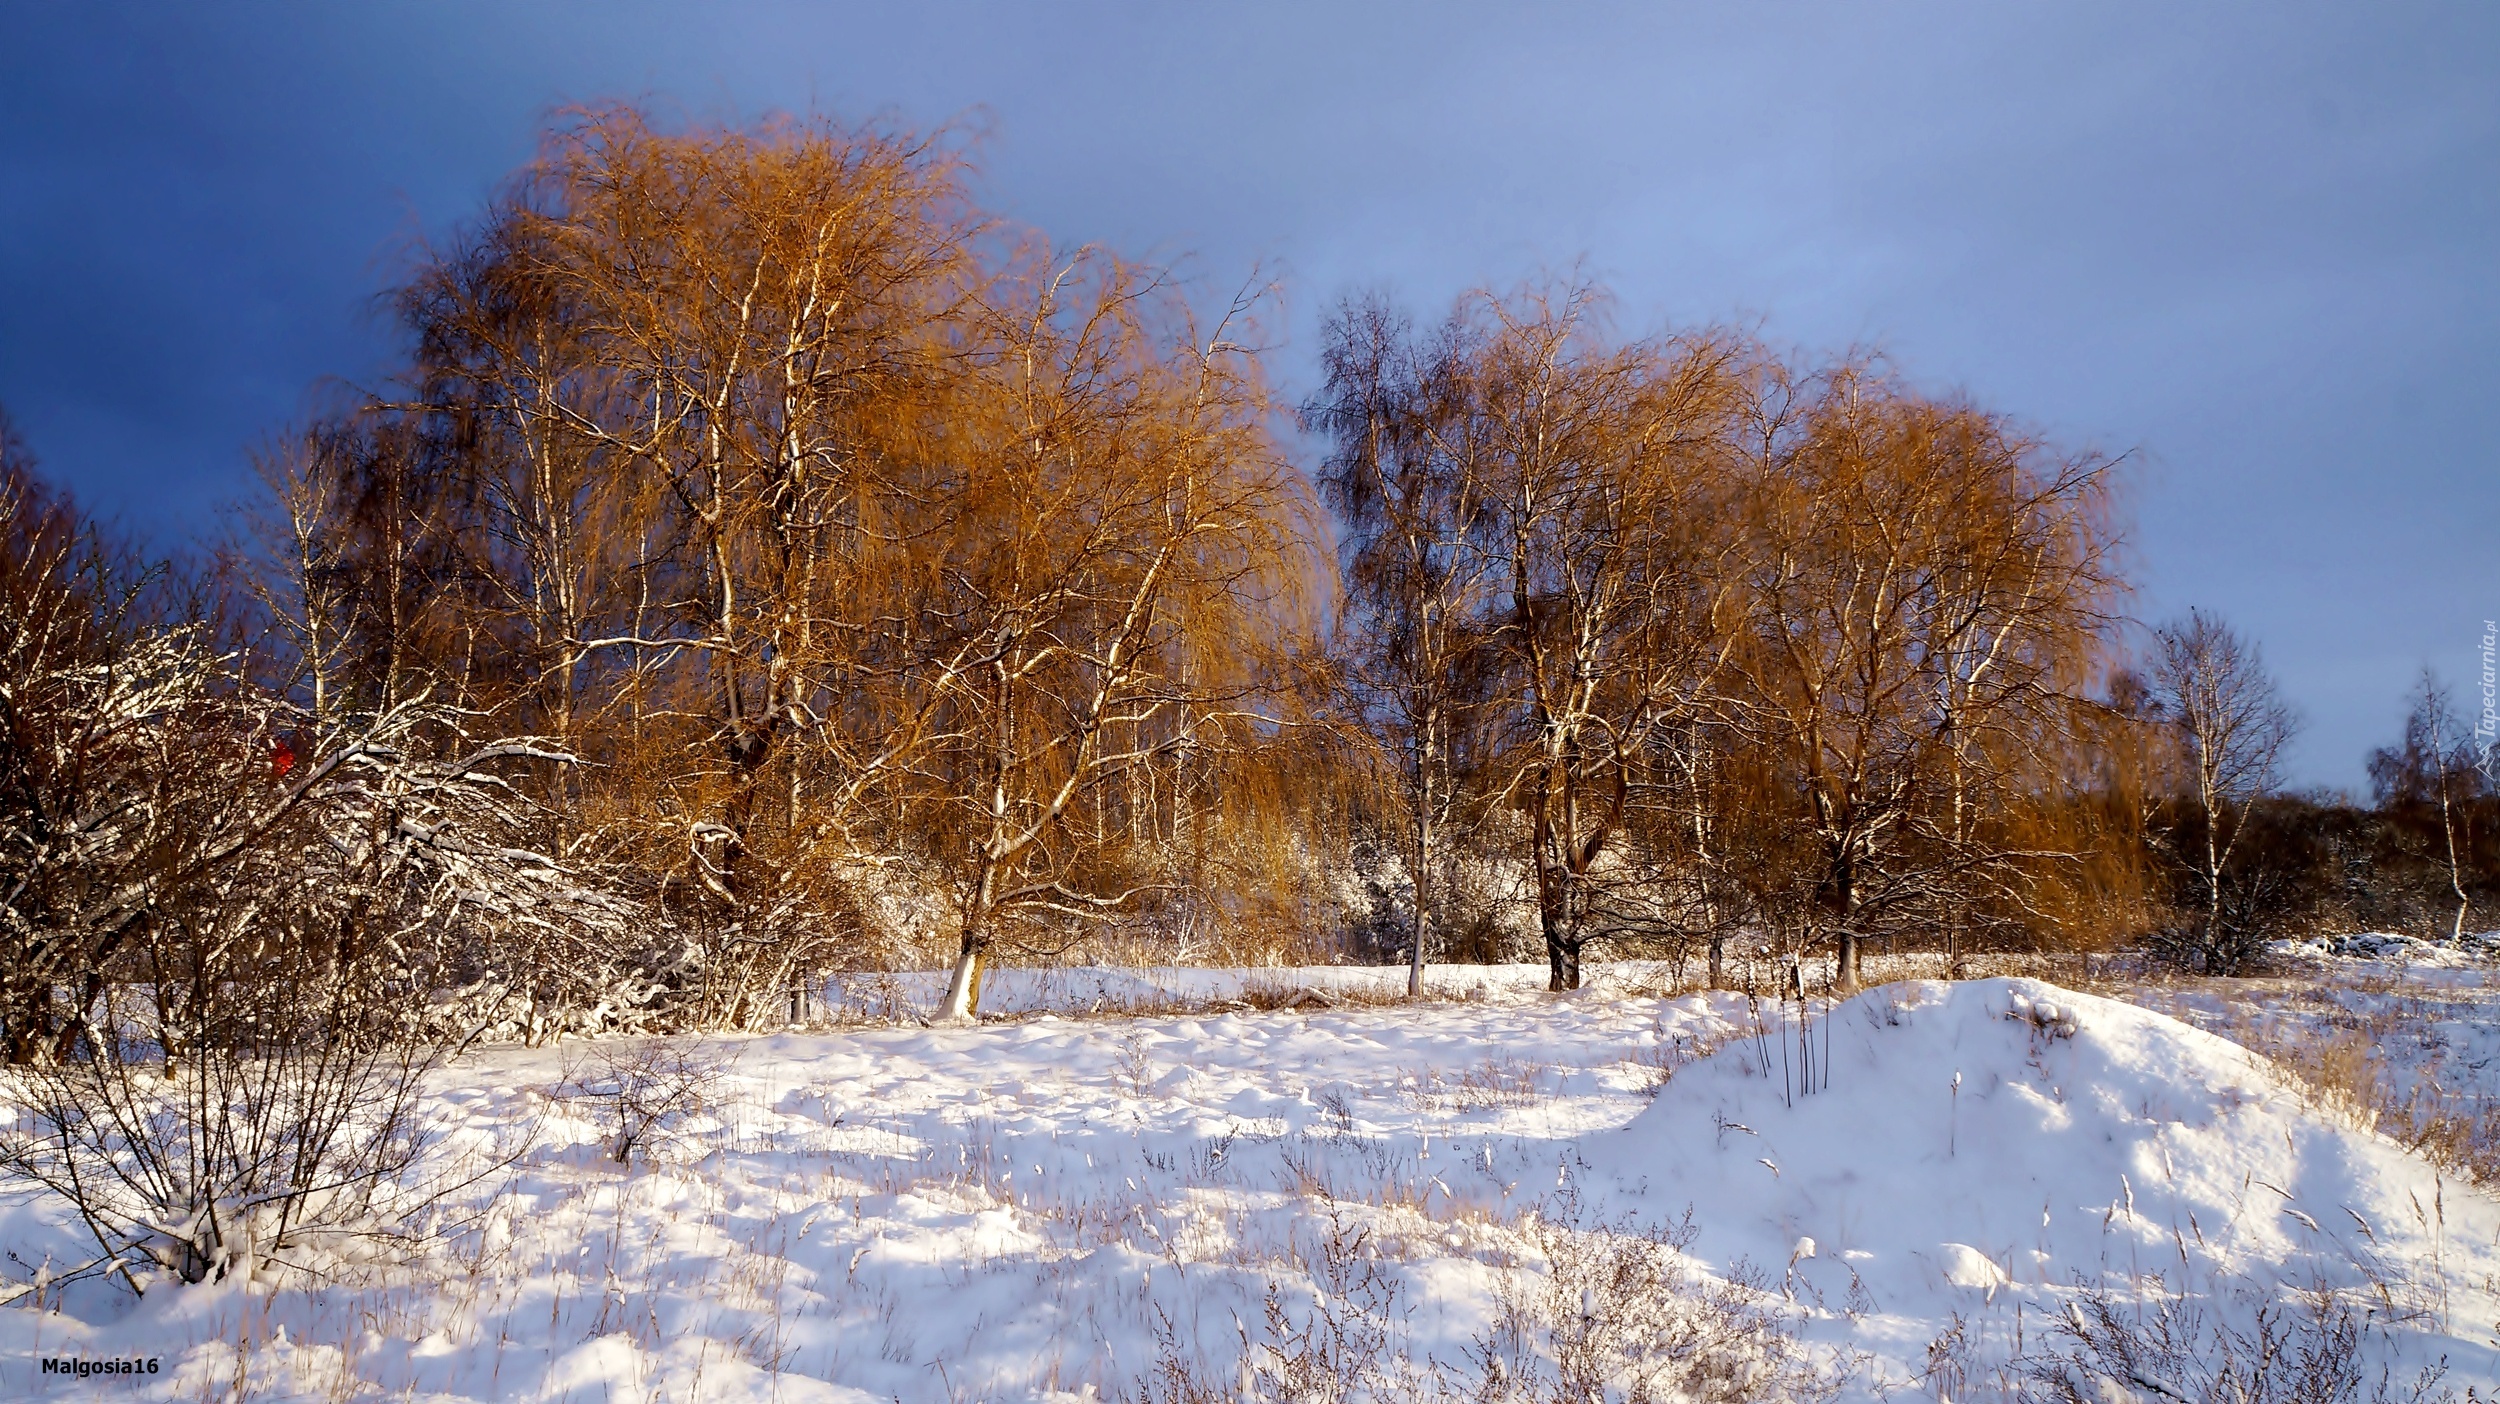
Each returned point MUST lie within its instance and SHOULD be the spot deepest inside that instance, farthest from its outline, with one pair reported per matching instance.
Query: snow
(1088, 989)
(2475, 950)
(2086, 1140)
(1055, 1207)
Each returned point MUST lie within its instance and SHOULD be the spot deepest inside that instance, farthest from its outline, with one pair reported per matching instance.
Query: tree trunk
(1845, 972)
(963, 989)
(1562, 960)
(2448, 826)
(1423, 905)
(2213, 880)
(1553, 916)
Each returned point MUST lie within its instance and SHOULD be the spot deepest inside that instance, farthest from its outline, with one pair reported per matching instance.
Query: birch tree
(2436, 765)
(1418, 566)
(2232, 723)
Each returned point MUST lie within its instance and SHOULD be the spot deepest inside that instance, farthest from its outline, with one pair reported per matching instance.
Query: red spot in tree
(281, 757)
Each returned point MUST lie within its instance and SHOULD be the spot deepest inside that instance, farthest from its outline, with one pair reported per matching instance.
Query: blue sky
(2256, 246)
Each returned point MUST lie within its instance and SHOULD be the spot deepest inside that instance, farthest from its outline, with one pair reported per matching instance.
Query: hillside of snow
(1430, 1199)
(1956, 1146)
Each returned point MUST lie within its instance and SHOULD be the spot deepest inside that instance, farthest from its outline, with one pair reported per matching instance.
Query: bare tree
(1417, 565)
(2437, 764)
(509, 367)
(2232, 723)
(1615, 608)
(1714, 817)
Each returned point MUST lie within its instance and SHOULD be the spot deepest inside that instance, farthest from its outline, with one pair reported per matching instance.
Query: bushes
(280, 1129)
(643, 1091)
(1619, 1315)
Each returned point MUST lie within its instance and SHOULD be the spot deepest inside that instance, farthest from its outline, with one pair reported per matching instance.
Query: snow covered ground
(1929, 1190)
(1097, 990)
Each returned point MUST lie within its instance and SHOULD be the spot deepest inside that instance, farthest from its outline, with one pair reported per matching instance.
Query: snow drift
(2005, 1137)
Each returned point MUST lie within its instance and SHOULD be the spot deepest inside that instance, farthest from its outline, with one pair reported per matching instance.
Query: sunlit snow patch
(2007, 1135)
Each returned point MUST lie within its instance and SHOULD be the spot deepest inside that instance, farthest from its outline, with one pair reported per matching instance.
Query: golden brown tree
(1127, 542)
(1930, 590)
(1606, 465)
(701, 385)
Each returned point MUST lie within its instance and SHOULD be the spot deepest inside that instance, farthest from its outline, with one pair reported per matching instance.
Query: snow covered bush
(286, 1143)
(175, 813)
(84, 780)
(1618, 1314)
(228, 910)
(641, 1092)
(219, 1066)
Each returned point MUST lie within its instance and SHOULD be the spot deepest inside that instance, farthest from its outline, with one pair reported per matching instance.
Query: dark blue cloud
(2256, 244)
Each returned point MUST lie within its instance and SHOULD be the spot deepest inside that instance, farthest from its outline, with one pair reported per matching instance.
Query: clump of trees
(1725, 646)
(2229, 862)
(768, 562)
(803, 568)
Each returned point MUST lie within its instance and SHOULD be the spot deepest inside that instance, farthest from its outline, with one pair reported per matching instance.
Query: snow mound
(1965, 1140)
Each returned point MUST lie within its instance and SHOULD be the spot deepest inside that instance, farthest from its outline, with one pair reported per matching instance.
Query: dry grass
(2345, 1074)
(2343, 1058)
(1495, 1084)
(1618, 1313)
(1656, 1062)
(2308, 1349)
(643, 1091)
(1581, 1314)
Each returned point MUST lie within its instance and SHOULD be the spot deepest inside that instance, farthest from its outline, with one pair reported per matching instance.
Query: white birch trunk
(963, 990)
